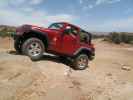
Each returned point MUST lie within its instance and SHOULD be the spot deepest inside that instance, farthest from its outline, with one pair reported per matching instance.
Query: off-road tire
(34, 48)
(80, 62)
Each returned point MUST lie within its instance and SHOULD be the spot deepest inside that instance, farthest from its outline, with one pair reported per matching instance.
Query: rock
(109, 74)
(127, 68)
(67, 72)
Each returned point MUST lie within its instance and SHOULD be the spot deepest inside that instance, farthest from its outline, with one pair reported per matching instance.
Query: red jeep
(62, 39)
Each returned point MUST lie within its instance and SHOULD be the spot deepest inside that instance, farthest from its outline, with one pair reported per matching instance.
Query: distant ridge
(7, 28)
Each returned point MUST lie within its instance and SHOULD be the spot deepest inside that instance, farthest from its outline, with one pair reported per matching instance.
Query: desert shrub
(120, 37)
(131, 42)
(5, 34)
(115, 37)
(6, 31)
(126, 38)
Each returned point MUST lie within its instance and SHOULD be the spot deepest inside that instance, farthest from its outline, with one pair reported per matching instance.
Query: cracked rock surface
(51, 79)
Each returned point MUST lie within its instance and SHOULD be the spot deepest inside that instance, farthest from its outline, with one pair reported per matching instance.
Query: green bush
(6, 31)
(5, 34)
(131, 42)
(120, 37)
(115, 37)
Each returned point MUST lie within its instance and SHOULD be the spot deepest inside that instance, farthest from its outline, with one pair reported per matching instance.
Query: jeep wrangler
(62, 39)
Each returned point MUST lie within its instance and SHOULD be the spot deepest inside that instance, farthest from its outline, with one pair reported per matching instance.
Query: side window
(72, 30)
(56, 26)
(84, 37)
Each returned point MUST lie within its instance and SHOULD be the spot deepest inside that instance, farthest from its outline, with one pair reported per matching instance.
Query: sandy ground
(51, 79)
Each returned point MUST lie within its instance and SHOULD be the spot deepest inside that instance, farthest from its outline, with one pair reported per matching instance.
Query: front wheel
(81, 62)
(34, 48)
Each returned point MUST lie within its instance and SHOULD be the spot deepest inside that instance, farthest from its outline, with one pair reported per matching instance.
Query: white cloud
(129, 10)
(86, 4)
(36, 2)
(121, 25)
(98, 2)
(90, 6)
(26, 13)
(27, 9)
(41, 18)
(113, 1)
(16, 2)
(21, 3)
(81, 1)
(87, 7)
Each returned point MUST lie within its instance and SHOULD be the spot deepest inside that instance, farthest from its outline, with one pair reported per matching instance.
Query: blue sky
(92, 15)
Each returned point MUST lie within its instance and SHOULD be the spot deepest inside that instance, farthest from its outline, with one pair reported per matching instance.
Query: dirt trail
(50, 79)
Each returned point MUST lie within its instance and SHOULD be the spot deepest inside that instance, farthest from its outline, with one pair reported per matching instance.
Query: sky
(92, 15)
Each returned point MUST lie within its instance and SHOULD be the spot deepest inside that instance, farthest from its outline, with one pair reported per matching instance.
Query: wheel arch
(33, 33)
(83, 50)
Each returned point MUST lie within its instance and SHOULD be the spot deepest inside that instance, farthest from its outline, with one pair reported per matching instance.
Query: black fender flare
(36, 33)
(83, 50)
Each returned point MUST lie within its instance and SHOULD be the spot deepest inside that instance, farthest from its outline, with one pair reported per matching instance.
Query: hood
(42, 29)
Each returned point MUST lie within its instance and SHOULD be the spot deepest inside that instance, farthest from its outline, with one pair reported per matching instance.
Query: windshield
(56, 26)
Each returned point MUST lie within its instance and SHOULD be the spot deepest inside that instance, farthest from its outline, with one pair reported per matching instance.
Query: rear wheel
(81, 62)
(34, 48)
